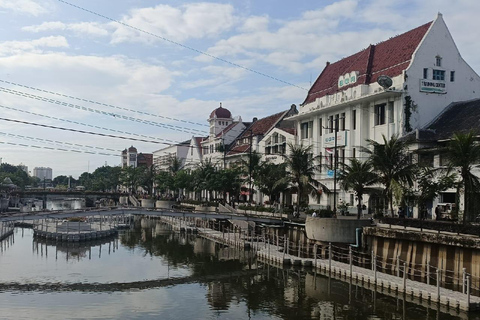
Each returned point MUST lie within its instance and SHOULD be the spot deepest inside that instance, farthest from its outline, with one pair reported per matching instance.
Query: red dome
(220, 113)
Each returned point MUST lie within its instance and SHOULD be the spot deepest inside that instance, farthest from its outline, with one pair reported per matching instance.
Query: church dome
(220, 113)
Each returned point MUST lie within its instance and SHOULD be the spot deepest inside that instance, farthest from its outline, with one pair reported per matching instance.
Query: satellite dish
(385, 81)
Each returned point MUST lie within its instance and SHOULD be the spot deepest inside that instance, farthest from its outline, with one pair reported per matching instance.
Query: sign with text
(433, 86)
(329, 139)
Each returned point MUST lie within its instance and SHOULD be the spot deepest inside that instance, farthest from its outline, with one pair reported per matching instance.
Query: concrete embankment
(346, 264)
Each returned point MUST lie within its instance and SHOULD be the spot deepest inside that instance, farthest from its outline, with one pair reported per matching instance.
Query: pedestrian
(437, 213)
(314, 214)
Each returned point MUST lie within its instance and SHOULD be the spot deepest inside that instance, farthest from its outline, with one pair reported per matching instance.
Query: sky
(154, 70)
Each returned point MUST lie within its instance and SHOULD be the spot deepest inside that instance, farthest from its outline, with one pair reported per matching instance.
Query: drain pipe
(358, 237)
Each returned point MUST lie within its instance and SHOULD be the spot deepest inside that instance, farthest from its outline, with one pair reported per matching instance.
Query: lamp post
(335, 161)
(250, 168)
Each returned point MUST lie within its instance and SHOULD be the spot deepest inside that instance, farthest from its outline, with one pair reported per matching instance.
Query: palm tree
(392, 164)
(251, 166)
(268, 182)
(357, 176)
(463, 153)
(301, 170)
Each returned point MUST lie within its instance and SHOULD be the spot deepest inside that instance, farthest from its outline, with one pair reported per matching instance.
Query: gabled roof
(226, 129)
(457, 117)
(388, 58)
(239, 149)
(292, 131)
(262, 126)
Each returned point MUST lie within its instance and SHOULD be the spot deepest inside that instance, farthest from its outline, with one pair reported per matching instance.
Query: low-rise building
(389, 88)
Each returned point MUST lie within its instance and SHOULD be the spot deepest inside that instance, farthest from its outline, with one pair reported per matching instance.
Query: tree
(131, 178)
(357, 176)
(268, 179)
(392, 164)
(228, 180)
(204, 177)
(60, 181)
(301, 169)
(463, 154)
(251, 167)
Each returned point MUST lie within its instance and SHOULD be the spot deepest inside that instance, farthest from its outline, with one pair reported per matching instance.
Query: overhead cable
(183, 46)
(102, 104)
(97, 111)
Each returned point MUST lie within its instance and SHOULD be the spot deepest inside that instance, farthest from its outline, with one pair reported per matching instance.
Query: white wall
(438, 41)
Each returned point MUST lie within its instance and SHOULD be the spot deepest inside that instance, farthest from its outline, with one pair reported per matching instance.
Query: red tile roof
(226, 129)
(221, 113)
(262, 126)
(389, 58)
(239, 149)
(289, 130)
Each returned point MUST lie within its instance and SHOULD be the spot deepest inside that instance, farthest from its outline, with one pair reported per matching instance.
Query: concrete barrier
(334, 230)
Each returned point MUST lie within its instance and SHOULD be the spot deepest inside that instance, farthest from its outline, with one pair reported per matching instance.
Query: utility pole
(250, 168)
(224, 153)
(335, 155)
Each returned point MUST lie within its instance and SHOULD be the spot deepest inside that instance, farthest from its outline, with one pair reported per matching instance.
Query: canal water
(150, 272)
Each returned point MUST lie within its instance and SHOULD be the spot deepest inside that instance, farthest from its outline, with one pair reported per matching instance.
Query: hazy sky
(125, 73)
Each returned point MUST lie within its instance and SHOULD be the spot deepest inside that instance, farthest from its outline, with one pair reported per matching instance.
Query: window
(330, 124)
(380, 114)
(390, 112)
(452, 76)
(354, 153)
(267, 150)
(438, 75)
(320, 159)
(342, 122)
(425, 160)
(310, 129)
(191, 150)
(425, 73)
(438, 61)
(337, 124)
(320, 126)
(304, 130)
(354, 119)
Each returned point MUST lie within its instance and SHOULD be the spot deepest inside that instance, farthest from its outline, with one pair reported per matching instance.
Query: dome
(220, 113)
(132, 149)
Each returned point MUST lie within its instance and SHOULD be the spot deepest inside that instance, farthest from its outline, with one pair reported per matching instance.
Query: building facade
(43, 173)
(390, 88)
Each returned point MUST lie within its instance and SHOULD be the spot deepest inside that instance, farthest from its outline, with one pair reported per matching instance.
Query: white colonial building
(392, 87)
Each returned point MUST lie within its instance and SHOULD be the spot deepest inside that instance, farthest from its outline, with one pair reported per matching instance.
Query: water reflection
(152, 272)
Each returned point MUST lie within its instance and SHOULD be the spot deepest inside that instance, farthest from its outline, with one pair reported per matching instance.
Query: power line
(101, 103)
(81, 131)
(55, 142)
(182, 45)
(97, 127)
(59, 149)
(97, 111)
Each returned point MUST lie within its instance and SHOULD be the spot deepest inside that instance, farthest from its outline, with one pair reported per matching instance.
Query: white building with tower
(390, 88)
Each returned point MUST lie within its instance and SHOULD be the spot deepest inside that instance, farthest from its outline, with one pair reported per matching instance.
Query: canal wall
(347, 264)
(426, 251)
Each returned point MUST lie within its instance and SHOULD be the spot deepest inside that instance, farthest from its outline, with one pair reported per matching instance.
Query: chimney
(254, 119)
(328, 63)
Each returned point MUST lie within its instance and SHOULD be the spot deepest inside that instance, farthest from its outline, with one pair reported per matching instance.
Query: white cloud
(14, 47)
(196, 20)
(255, 24)
(24, 6)
(88, 28)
